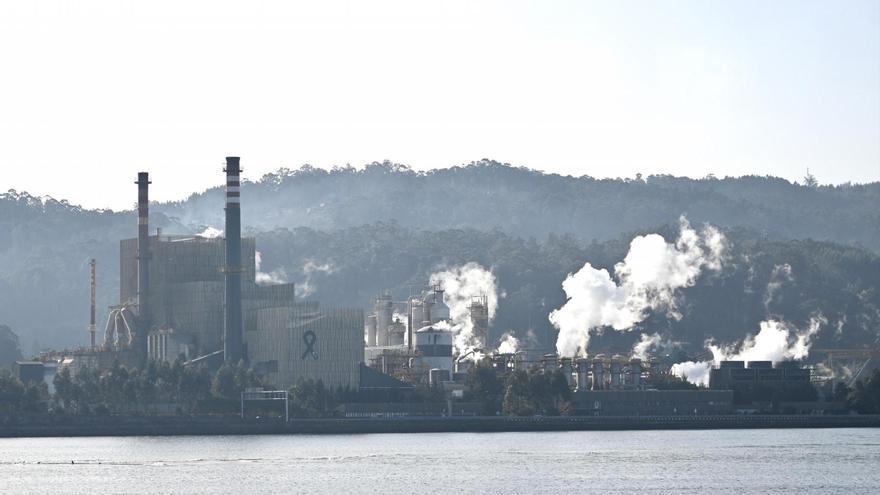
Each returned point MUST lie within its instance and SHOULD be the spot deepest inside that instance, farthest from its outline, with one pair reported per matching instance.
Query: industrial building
(196, 298)
(730, 375)
(413, 339)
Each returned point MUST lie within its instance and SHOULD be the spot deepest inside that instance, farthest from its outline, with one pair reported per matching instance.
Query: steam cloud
(776, 341)
(780, 275)
(309, 269)
(211, 233)
(509, 344)
(274, 277)
(649, 344)
(460, 284)
(649, 277)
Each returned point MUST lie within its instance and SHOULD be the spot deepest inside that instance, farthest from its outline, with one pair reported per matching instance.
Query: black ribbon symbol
(310, 338)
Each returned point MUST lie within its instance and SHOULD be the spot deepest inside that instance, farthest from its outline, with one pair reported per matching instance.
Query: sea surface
(845, 461)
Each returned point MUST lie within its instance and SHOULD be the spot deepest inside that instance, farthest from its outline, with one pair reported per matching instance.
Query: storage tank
(384, 313)
(396, 333)
(434, 347)
(565, 368)
(370, 325)
(583, 367)
(599, 372)
(616, 370)
(635, 366)
(439, 311)
(417, 313)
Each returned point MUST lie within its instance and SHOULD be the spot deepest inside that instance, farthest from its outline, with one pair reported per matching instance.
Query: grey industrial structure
(196, 298)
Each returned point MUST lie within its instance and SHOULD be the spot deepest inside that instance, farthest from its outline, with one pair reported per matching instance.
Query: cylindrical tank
(396, 333)
(635, 366)
(417, 313)
(440, 311)
(599, 372)
(565, 368)
(616, 370)
(384, 314)
(370, 325)
(583, 366)
(434, 347)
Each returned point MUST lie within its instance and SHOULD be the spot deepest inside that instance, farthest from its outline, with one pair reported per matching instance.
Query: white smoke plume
(649, 345)
(307, 287)
(780, 275)
(211, 233)
(694, 372)
(647, 279)
(647, 342)
(776, 341)
(460, 285)
(274, 277)
(509, 344)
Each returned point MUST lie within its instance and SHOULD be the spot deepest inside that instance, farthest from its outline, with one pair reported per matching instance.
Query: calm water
(727, 461)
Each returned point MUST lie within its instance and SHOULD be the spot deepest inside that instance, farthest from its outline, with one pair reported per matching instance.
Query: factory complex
(196, 299)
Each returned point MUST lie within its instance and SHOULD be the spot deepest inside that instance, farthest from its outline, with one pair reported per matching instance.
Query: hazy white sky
(91, 92)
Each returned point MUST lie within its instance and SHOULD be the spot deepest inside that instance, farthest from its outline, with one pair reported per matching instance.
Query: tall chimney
(233, 348)
(143, 257)
(92, 264)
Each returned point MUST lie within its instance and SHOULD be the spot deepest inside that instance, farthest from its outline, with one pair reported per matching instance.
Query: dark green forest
(388, 227)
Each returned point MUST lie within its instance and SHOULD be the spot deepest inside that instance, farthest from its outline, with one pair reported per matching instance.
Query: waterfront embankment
(74, 426)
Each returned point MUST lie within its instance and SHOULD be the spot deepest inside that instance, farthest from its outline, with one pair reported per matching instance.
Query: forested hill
(525, 203)
(386, 226)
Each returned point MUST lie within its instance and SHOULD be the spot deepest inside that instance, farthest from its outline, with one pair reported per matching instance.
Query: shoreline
(176, 426)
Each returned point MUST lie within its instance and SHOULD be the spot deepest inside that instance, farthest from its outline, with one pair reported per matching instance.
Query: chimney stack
(92, 264)
(143, 257)
(233, 347)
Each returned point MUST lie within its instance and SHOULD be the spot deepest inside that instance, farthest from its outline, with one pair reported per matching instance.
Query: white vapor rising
(650, 344)
(460, 284)
(649, 277)
(309, 269)
(509, 344)
(780, 275)
(210, 233)
(274, 277)
(776, 341)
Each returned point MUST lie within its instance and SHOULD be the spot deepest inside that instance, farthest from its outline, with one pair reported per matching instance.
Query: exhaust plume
(460, 285)
(275, 277)
(776, 341)
(309, 269)
(647, 279)
(210, 233)
(509, 344)
(780, 275)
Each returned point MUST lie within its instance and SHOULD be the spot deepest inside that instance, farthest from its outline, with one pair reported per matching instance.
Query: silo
(434, 347)
(616, 370)
(583, 366)
(370, 325)
(636, 372)
(440, 311)
(565, 368)
(396, 333)
(384, 313)
(417, 312)
(599, 372)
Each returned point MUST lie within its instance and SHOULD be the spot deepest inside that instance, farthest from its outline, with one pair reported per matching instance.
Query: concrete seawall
(160, 426)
